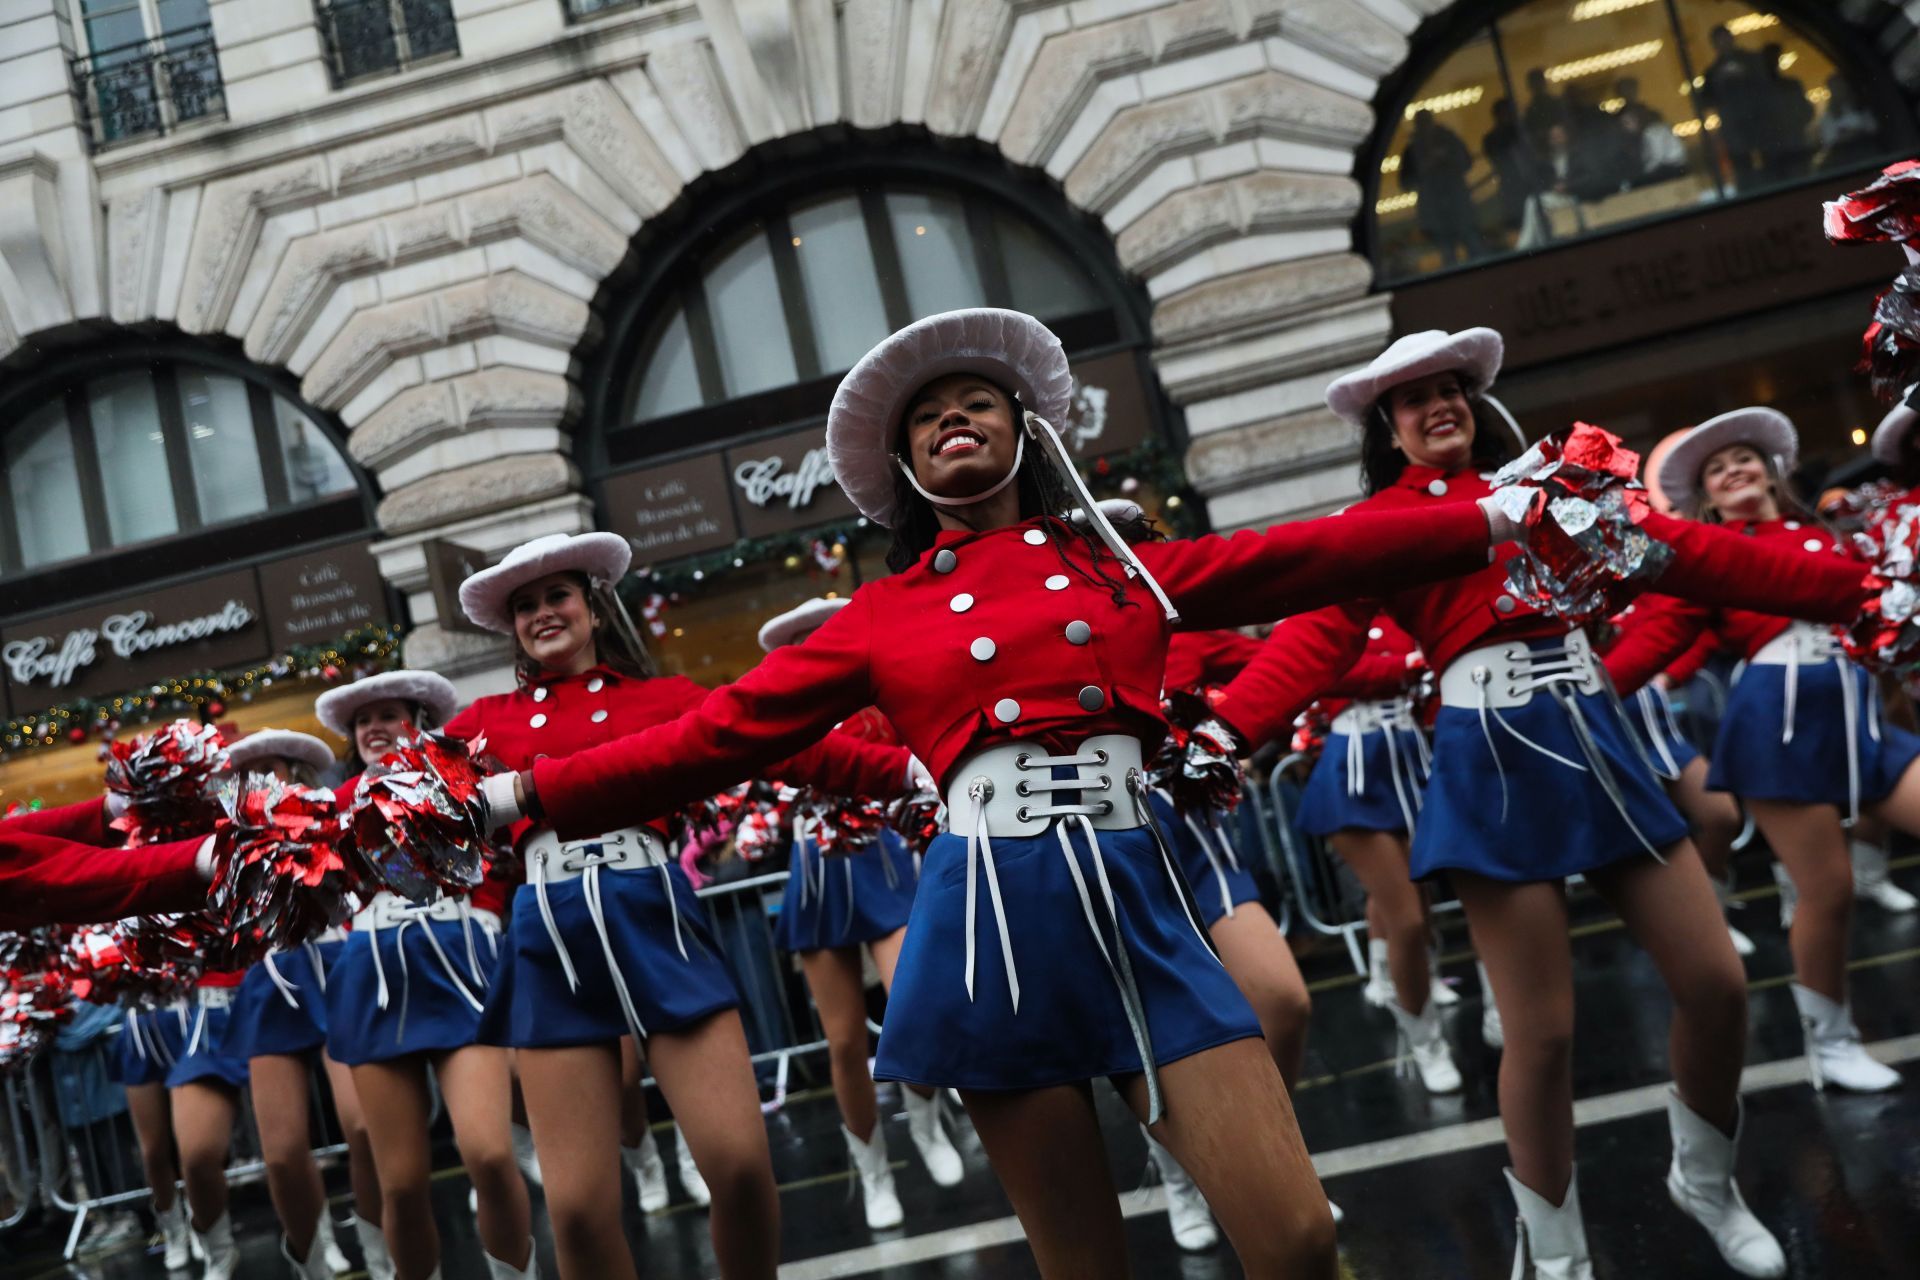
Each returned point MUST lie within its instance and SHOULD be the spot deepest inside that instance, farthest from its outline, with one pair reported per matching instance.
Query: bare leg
(153, 1126)
(886, 954)
(1045, 1146)
(477, 1084)
(1811, 844)
(1379, 859)
(1263, 967)
(1520, 933)
(633, 1095)
(394, 1097)
(361, 1170)
(1713, 815)
(279, 1086)
(1673, 915)
(1230, 1125)
(707, 1077)
(833, 976)
(203, 1116)
(569, 1093)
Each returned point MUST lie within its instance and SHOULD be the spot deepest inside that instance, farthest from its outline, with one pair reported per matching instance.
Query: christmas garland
(201, 693)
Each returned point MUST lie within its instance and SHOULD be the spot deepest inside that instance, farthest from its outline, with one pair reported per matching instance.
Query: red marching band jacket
(999, 635)
(560, 716)
(1308, 654)
(1665, 630)
(58, 866)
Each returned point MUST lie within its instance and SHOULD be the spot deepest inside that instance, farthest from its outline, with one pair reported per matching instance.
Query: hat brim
(1767, 430)
(1009, 348)
(808, 615)
(1890, 437)
(1475, 354)
(431, 692)
(279, 744)
(603, 557)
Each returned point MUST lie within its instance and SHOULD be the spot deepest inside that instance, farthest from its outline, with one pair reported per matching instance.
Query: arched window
(1535, 123)
(138, 459)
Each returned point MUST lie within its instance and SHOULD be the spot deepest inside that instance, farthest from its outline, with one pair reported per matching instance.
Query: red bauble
(216, 708)
(330, 672)
(77, 734)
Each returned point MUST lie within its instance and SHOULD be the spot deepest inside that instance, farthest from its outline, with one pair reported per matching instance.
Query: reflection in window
(133, 458)
(222, 446)
(44, 482)
(314, 466)
(1562, 118)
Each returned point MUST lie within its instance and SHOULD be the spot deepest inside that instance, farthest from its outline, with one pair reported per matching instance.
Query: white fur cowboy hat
(603, 557)
(280, 744)
(431, 692)
(1894, 428)
(806, 616)
(1009, 348)
(1473, 353)
(1768, 430)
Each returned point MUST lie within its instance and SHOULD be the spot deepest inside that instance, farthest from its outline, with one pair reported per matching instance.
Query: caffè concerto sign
(773, 486)
(226, 620)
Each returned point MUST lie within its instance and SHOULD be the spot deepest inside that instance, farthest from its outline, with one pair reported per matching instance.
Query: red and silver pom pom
(1587, 554)
(169, 778)
(1199, 762)
(838, 824)
(1886, 209)
(33, 1004)
(420, 821)
(918, 818)
(765, 824)
(1886, 635)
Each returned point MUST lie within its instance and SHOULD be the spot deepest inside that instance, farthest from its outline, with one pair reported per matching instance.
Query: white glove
(502, 797)
(203, 860)
(919, 778)
(118, 802)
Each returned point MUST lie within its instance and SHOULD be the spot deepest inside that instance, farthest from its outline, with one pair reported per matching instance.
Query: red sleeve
(1305, 656)
(1290, 568)
(1716, 566)
(778, 710)
(1376, 675)
(45, 880)
(844, 765)
(85, 822)
(1688, 664)
(1659, 630)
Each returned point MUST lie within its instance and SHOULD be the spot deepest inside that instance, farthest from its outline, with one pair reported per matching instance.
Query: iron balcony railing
(150, 87)
(370, 37)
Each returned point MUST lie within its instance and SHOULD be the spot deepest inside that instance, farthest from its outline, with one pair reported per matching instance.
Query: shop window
(1559, 119)
(116, 454)
(148, 67)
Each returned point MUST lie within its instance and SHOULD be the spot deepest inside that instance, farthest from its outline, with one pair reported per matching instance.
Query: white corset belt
(206, 998)
(1390, 715)
(390, 911)
(1011, 791)
(549, 858)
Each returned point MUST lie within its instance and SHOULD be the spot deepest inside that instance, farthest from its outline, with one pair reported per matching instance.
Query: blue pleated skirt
(1654, 727)
(204, 1058)
(1550, 820)
(532, 1004)
(1751, 761)
(1071, 1024)
(151, 1041)
(265, 1022)
(431, 1005)
(1387, 756)
(843, 901)
(1219, 883)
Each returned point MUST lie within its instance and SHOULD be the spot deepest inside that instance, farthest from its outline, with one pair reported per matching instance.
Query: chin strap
(1050, 439)
(1019, 455)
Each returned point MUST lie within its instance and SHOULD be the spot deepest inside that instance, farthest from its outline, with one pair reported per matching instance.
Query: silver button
(540, 694)
(1438, 488)
(944, 561)
(960, 603)
(1792, 525)
(596, 684)
(600, 715)
(1092, 699)
(539, 720)
(1375, 633)
(1503, 603)
(1035, 538)
(1058, 582)
(982, 649)
(1006, 711)
(1078, 632)
(1814, 544)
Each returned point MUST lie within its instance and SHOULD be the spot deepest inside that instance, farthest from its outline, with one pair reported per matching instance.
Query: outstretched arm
(47, 880)
(1716, 566)
(1660, 630)
(1303, 658)
(85, 822)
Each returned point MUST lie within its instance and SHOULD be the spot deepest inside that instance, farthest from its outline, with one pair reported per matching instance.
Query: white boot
(1552, 1238)
(1492, 1034)
(525, 1156)
(930, 1139)
(1789, 896)
(373, 1247)
(1423, 1047)
(1834, 1054)
(499, 1270)
(175, 1234)
(690, 1180)
(216, 1244)
(649, 1173)
(1700, 1181)
(1723, 890)
(1438, 992)
(876, 1179)
(1379, 989)
(314, 1268)
(1742, 944)
(1870, 881)
(1187, 1211)
(337, 1263)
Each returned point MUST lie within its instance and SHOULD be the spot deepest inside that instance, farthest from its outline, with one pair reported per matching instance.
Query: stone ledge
(1229, 305)
(1248, 204)
(492, 485)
